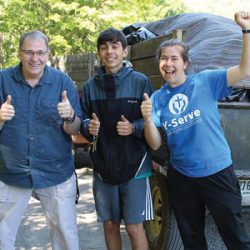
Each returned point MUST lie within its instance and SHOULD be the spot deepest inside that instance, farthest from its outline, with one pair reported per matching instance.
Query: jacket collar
(101, 76)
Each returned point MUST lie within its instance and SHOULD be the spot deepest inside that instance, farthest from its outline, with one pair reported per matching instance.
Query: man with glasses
(39, 111)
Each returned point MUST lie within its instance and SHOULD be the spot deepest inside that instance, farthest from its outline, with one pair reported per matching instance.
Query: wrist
(150, 121)
(2, 120)
(133, 128)
(1, 124)
(70, 119)
(246, 31)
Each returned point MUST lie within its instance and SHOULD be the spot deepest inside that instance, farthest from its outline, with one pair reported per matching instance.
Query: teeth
(168, 70)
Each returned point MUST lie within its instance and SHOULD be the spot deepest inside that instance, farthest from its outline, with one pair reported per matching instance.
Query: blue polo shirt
(35, 152)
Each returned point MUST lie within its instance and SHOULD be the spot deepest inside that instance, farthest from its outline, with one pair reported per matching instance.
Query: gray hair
(34, 34)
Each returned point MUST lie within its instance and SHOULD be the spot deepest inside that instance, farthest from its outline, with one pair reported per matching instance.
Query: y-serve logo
(177, 105)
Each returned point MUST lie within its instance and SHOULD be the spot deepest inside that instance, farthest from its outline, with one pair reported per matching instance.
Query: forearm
(152, 135)
(245, 56)
(241, 71)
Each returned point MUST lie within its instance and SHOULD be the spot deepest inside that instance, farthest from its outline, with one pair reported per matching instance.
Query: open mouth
(34, 66)
(169, 71)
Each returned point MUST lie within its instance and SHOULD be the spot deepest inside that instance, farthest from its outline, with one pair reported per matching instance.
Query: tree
(73, 26)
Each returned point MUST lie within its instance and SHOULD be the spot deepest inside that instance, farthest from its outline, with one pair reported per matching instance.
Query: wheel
(82, 158)
(162, 232)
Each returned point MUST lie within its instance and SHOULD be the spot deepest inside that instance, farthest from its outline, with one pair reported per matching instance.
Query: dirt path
(33, 232)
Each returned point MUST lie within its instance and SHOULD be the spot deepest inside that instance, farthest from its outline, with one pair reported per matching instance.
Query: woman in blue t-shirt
(201, 173)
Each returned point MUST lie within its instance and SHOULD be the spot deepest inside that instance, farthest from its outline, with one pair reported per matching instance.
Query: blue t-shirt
(190, 118)
(35, 152)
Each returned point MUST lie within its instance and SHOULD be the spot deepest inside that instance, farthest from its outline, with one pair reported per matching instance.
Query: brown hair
(171, 43)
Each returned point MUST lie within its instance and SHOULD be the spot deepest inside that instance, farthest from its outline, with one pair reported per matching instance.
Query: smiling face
(34, 56)
(111, 55)
(172, 65)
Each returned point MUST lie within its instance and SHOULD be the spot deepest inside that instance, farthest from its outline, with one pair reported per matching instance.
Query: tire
(82, 158)
(162, 232)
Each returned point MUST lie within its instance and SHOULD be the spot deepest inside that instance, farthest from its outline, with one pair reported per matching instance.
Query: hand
(7, 111)
(146, 109)
(242, 18)
(124, 127)
(94, 125)
(64, 108)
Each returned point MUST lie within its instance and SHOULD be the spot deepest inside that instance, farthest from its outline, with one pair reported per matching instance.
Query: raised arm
(237, 73)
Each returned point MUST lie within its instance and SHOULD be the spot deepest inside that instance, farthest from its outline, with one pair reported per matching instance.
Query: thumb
(64, 96)
(94, 116)
(123, 118)
(146, 97)
(8, 100)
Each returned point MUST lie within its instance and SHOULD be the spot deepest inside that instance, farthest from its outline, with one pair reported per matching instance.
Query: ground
(33, 232)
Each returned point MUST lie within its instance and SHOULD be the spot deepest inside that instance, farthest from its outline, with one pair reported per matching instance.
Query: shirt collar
(45, 79)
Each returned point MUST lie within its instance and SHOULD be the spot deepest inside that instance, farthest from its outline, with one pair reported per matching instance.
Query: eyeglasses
(30, 53)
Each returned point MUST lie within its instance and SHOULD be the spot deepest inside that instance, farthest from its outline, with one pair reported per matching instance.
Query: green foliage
(73, 26)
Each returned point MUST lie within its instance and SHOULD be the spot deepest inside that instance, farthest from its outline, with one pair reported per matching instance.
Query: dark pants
(220, 193)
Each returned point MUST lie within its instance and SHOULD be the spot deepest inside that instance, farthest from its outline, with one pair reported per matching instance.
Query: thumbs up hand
(124, 127)
(64, 108)
(7, 111)
(146, 108)
(94, 125)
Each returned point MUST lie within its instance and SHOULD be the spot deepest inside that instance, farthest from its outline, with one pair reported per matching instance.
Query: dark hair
(34, 34)
(111, 35)
(174, 42)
